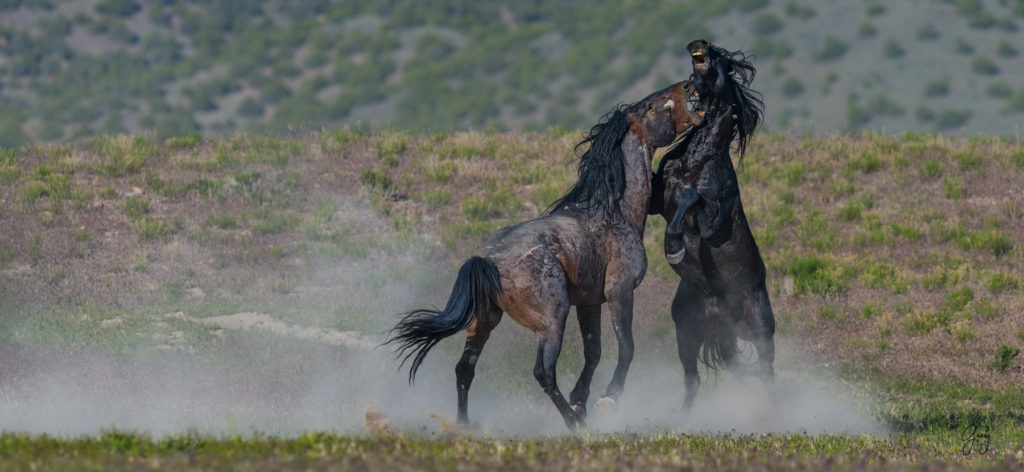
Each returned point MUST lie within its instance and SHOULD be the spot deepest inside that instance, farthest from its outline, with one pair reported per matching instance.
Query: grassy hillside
(895, 262)
(900, 253)
(70, 70)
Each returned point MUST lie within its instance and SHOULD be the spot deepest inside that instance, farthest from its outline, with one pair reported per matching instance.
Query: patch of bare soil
(261, 321)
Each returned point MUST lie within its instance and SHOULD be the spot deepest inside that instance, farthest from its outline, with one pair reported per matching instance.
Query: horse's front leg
(675, 244)
(621, 308)
(590, 328)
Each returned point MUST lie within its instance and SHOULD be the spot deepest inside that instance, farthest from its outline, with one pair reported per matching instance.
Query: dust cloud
(277, 377)
(78, 393)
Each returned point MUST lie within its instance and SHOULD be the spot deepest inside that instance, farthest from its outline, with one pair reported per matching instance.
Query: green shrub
(917, 324)
(999, 89)
(937, 88)
(186, 142)
(269, 221)
(853, 208)
(1004, 357)
(792, 87)
(814, 275)
(993, 239)
(378, 180)
(927, 33)
(766, 24)
(964, 332)
(1016, 102)
(135, 207)
(924, 114)
(250, 108)
(148, 227)
(391, 147)
(801, 12)
(878, 275)
(998, 282)
(969, 160)
(893, 49)
(931, 169)
(125, 155)
(957, 300)
(984, 66)
(1006, 49)
(952, 118)
(437, 197)
(794, 173)
(867, 30)
(985, 309)
(750, 5)
(829, 313)
(832, 49)
(963, 46)
(224, 221)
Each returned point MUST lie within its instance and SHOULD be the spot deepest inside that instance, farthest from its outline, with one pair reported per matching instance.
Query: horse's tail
(420, 330)
(718, 347)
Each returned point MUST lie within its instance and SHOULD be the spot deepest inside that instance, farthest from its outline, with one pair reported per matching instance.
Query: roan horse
(721, 294)
(587, 249)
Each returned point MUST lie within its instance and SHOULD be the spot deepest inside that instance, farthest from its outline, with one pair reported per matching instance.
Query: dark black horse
(721, 294)
(585, 251)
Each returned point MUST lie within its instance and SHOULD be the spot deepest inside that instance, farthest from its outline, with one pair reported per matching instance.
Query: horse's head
(723, 78)
(663, 115)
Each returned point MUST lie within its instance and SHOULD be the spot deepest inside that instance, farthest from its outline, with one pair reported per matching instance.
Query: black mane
(602, 170)
(730, 86)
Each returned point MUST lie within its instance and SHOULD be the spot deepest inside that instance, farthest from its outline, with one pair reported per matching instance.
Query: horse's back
(544, 263)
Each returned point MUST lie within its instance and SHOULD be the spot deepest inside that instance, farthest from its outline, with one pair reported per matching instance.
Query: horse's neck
(637, 161)
(711, 144)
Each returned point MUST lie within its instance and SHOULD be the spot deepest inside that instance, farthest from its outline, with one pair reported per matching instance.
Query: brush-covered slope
(70, 70)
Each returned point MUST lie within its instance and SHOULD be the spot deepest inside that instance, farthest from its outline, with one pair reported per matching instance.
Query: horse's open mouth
(699, 58)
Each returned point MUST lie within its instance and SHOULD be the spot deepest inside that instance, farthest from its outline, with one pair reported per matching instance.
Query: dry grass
(866, 245)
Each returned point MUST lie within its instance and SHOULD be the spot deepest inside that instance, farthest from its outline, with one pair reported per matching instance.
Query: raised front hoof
(675, 256)
(605, 406)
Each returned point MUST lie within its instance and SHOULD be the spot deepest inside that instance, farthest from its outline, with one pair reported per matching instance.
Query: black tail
(718, 346)
(421, 330)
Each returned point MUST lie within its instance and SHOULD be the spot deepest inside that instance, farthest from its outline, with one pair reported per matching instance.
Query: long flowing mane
(602, 170)
(731, 88)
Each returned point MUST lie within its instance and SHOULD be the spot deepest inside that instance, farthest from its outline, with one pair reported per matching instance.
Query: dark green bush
(893, 49)
(832, 49)
(766, 24)
(937, 88)
(950, 118)
(984, 66)
(792, 87)
(999, 89)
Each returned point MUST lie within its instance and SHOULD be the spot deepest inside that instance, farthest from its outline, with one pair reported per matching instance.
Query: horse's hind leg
(688, 309)
(590, 328)
(548, 349)
(476, 336)
(762, 328)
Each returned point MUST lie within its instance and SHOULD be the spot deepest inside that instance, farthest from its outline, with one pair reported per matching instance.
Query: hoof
(605, 406)
(676, 257)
